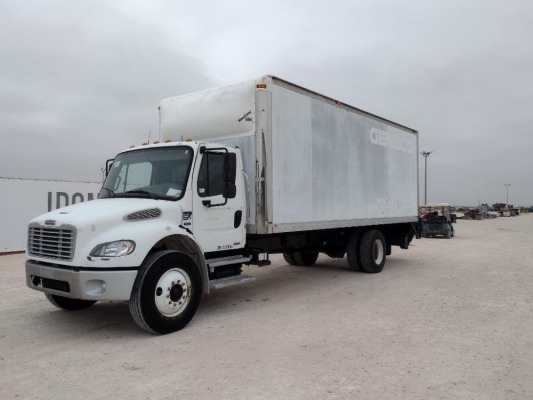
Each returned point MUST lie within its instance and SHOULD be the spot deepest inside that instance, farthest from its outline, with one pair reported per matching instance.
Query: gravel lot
(447, 319)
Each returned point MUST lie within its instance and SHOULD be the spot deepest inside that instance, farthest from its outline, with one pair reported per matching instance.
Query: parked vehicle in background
(437, 220)
(493, 214)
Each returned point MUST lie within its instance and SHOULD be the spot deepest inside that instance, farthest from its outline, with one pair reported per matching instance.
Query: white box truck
(241, 172)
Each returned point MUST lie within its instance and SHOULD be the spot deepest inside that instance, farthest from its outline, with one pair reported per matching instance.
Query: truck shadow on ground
(104, 319)
(290, 280)
(107, 320)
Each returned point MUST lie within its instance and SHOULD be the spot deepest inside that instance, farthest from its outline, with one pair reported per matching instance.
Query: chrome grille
(57, 243)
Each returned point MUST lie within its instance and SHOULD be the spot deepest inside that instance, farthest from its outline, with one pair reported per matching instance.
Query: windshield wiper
(145, 192)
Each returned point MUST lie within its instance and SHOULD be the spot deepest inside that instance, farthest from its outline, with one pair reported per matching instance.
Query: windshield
(155, 173)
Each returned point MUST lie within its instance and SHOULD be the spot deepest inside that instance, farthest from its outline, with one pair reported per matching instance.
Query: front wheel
(66, 303)
(166, 293)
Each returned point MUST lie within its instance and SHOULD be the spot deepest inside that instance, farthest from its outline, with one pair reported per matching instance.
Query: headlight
(114, 249)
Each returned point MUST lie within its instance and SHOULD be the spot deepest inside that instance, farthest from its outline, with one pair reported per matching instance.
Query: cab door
(218, 200)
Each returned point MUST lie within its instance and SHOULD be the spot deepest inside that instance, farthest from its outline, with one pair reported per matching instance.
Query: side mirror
(108, 165)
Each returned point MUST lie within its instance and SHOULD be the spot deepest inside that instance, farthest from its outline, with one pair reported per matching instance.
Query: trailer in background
(23, 199)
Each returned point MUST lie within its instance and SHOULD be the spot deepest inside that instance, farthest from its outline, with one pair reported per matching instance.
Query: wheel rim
(173, 292)
(378, 252)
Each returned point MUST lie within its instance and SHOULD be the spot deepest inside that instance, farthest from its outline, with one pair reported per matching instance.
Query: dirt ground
(446, 319)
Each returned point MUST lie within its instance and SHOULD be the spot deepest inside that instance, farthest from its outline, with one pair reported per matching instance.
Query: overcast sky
(81, 80)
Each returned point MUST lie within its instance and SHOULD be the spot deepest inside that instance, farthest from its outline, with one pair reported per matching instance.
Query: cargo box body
(310, 162)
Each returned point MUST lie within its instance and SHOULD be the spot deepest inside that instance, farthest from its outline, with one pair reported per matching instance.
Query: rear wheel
(372, 251)
(352, 252)
(68, 304)
(166, 293)
(305, 258)
(289, 258)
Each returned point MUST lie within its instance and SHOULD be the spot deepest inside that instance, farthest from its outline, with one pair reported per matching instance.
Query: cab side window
(211, 175)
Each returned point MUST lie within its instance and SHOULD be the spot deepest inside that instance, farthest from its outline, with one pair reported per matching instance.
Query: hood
(103, 211)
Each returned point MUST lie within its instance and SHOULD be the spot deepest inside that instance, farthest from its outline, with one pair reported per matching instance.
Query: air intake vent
(52, 242)
(151, 213)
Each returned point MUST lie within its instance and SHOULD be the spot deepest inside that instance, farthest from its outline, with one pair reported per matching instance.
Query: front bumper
(81, 283)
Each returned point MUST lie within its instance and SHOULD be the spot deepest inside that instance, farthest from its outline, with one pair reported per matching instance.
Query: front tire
(166, 293)
(66, 303)
(373, 252)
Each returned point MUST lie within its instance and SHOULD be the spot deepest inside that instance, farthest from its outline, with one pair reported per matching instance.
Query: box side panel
(332, 166)
(292, 157)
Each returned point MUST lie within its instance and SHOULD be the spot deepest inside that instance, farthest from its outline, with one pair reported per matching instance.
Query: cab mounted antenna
(149, 136)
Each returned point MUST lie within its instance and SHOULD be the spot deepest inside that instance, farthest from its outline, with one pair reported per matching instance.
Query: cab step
(219, 262)
(230, 281)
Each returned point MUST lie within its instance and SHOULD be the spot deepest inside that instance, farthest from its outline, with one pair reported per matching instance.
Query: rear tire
(289, 258)
(66, 303)
(305, 258)
(352, 252)
(166, 293)
(373, 251)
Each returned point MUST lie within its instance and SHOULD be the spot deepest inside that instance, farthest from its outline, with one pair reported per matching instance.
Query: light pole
(426, 155)
(507, 186)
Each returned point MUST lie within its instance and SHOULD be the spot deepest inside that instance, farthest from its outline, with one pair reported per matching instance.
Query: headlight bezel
(117, 248)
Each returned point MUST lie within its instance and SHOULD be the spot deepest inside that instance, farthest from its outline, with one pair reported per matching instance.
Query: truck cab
(180, 201)
(201, 179)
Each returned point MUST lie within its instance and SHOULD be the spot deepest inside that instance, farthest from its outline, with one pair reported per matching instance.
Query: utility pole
(426, 154)
(507, 186)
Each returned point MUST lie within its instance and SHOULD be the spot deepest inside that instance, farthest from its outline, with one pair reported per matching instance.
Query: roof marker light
(261, 86)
